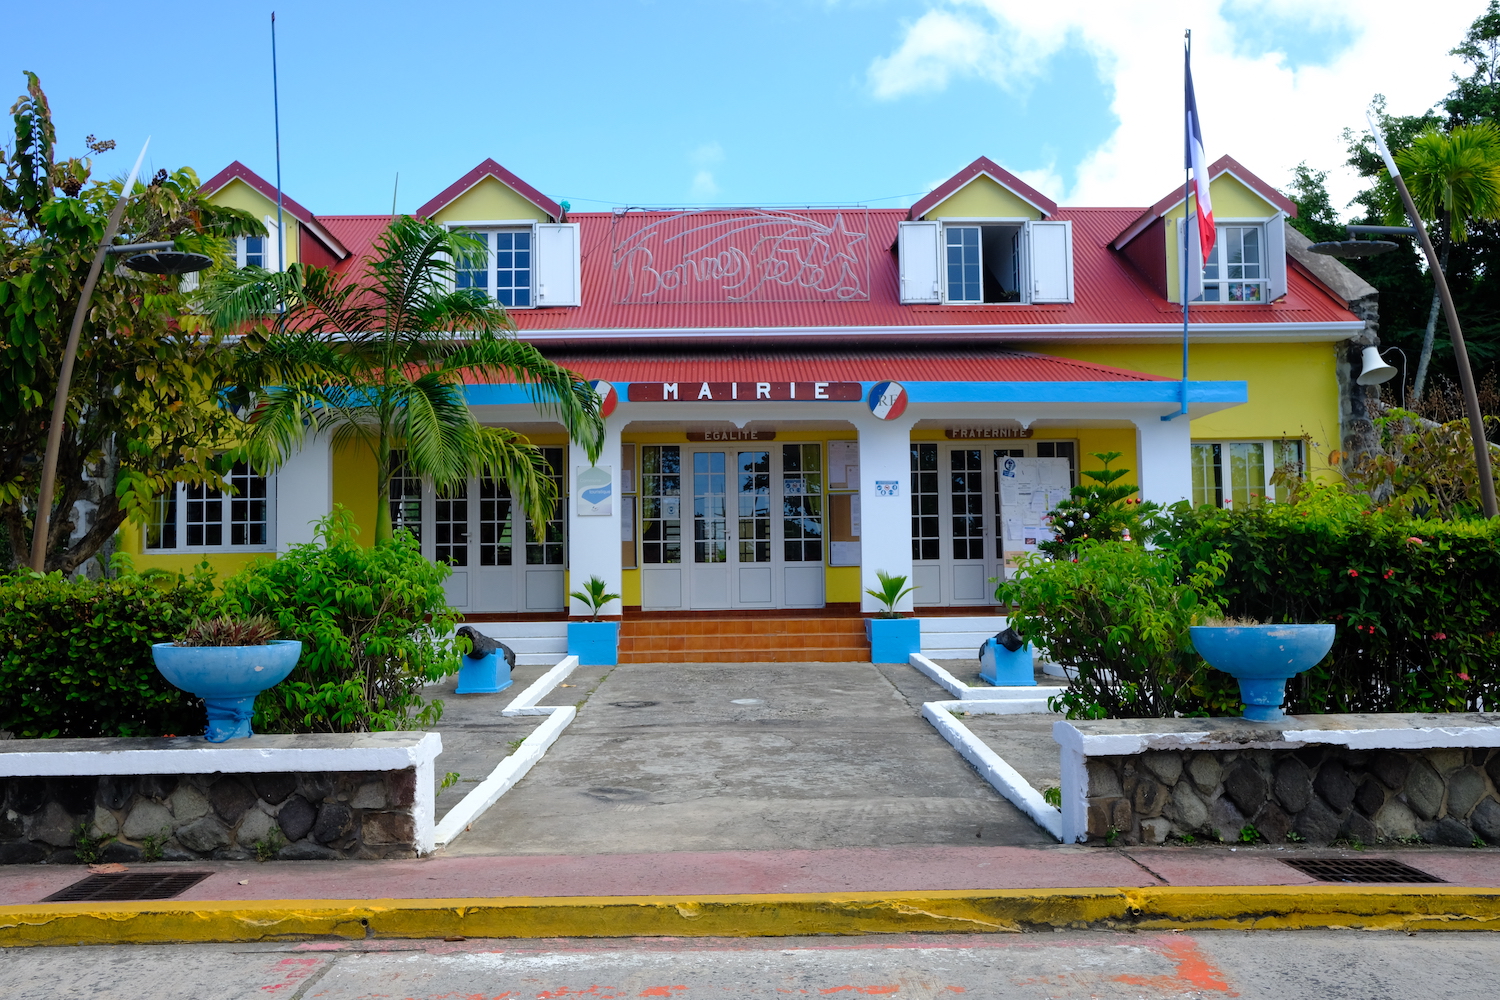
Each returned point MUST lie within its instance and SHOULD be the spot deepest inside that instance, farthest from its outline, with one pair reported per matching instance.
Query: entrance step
(958, 637)
(744, 640)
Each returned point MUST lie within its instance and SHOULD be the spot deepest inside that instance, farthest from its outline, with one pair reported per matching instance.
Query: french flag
(1196, 160)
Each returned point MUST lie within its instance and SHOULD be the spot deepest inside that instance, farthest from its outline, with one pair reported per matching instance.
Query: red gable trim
(238, 171)
(489, 168)
(996, 173)
(1223, 165)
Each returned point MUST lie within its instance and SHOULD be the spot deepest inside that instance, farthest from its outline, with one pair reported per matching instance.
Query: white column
(594, 540)
(304, 492)
(885, 521)
(1164, 459)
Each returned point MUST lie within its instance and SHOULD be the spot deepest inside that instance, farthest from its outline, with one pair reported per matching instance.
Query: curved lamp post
(153, 258)
(1367, 248)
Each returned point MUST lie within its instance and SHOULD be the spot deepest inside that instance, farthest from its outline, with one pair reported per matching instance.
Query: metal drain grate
(1359, 870)
(119, 887)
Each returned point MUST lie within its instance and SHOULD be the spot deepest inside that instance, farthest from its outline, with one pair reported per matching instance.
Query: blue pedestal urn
(227, 678)
(1262, 658)
(1003, 668)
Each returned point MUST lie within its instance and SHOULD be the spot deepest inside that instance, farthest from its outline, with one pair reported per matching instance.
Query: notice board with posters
(1029, 488)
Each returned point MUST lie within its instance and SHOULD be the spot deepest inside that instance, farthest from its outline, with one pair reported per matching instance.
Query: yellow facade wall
(354, 487)
(490, 201)
(983, 198)
(238, 194)
(1232, 200)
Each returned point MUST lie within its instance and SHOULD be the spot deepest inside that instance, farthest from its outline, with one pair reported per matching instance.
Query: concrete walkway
(714, 757)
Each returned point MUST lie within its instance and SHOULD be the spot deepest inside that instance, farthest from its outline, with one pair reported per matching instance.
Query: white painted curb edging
(991, 766)
(1028, 695)
(514, 767)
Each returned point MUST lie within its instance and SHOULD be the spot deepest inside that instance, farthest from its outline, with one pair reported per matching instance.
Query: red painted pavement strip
(733, 872)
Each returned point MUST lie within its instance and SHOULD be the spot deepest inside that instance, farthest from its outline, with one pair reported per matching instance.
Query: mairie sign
(744, 392)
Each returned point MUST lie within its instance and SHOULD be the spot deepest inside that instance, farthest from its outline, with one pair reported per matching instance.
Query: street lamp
(1365, 248)
(152, 258)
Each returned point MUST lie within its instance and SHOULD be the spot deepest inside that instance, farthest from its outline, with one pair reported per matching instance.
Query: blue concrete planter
(227, 678)
(1002, 668)
(1262, 658)
(893, 640)
(596, 644)
(486, 675)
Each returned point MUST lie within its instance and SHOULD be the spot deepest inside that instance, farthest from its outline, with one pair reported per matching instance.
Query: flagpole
(1187, 234)
(276, 115)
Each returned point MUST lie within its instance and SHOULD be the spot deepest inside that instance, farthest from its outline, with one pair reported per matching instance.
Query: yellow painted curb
(955, 911)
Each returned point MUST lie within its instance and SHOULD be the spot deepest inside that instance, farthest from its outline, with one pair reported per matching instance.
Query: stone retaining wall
(291, 816)
(1323, 793)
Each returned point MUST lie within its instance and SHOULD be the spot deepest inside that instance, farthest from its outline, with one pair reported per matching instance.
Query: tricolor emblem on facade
(609, 398)
(888, 400)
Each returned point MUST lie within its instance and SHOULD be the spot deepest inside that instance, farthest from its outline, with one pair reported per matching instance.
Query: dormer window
(504, 272)
(983, 262)
(524, 265)
(986, 262)
(1235, 270)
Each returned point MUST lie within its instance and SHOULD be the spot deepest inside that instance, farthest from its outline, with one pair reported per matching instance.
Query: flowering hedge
(1417, 602)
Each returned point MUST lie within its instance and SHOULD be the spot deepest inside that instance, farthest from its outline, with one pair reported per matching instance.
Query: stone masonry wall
(295, 817)
(1322, 793)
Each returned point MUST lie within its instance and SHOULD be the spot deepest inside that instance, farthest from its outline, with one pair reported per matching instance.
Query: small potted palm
(892, 638)
(595, 643)
(227, 661)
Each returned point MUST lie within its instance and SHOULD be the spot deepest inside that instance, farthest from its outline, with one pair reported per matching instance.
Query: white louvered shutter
(1051, 250)
(1276, 257)
(557, 264)
(273, 244)
(917, 249)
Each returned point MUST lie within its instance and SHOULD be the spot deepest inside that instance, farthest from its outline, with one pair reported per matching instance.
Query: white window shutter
(1276, 257)
(1194, 258)
(557, 261)
(273, 244)
(1051, 261)
(917, 250)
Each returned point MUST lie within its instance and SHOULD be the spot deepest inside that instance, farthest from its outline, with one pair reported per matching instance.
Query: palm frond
(510, 458)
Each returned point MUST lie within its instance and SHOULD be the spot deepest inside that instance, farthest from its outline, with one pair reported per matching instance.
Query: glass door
(709, 583)
(753, 572)
(661, 526)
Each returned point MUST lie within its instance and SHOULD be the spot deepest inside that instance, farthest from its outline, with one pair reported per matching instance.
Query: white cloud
(707, 155)
(1260, 108)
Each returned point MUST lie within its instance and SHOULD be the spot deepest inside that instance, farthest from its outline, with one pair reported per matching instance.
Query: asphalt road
(1254, 965)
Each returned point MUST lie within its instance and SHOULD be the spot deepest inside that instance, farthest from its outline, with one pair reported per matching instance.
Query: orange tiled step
(744, 640)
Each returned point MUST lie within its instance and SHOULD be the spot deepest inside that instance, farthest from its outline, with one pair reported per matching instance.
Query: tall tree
(376, 356)
(143, 408)
(1454, 180)
(1316, 217)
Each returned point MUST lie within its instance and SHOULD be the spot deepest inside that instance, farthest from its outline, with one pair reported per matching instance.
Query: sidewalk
(755, 893)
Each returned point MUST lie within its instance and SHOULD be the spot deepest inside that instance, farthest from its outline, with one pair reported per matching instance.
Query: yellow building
(798, 399)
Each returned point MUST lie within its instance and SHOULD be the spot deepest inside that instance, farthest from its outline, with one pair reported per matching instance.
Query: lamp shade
(1375, 369)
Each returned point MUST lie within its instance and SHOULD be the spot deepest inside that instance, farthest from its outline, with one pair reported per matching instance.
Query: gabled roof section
(489, 168)
(238, 171)
(986, 167)
(1223, 165)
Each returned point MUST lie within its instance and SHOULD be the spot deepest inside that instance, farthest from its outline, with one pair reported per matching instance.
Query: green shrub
(374, 625)
(1417, 602)
(75, 655)
(1103, 511)
(1118, 617)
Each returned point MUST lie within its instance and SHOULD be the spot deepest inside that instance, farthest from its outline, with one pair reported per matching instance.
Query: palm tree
(1454, 178)
(377, 356)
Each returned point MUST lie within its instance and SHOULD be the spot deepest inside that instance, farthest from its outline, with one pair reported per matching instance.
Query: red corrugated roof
(837, 366)
(1107, 288)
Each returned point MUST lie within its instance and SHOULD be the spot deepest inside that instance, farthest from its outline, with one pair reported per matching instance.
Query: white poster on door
(595, 489)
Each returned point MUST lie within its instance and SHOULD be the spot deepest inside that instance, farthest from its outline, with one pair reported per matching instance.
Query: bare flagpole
(1187, 235)
(276, 114)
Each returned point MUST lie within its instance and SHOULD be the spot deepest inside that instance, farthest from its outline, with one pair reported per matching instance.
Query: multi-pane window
(406, 497)
(546, 549)
(710, 520)
(503, 271)
(450, 526)
(965, 277)
(661, 503)
(249, 514)
(754, 488)
(196, 515)
(924, 502)
(1228, 473)
(966, 491)
(802, 502)
(1235, 270)
(1288, 459)
(495, 527)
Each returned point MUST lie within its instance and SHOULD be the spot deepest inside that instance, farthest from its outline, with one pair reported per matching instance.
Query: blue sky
(727, 102)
